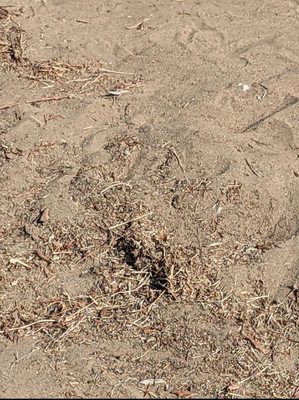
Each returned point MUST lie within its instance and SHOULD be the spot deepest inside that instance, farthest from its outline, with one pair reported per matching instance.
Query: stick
(131, 220)
(178, 159)
(251, 169)
(18, 359)
(115, 185)
(109, 71)
(82, 21)
(17, 261)
(27, 326)
(138, 24)
(54, 98)
(42, 256)
(44, 99)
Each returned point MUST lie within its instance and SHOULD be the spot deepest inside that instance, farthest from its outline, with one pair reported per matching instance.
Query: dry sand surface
(149, 198)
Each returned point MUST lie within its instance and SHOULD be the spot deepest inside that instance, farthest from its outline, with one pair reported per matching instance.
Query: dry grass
(135, 271)
(57, 75)
(133, 268)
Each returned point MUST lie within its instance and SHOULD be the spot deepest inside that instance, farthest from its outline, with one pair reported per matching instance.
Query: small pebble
(244, 87)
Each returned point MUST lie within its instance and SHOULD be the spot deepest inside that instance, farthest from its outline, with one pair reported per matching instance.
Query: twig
(42, 256)
(115, 185)
(251, 169)
(18, 359)
(143, 282)
(131, 220)
(255, 374)
(70, 329)
(144, 354)
(115, 93)
(155, 301)
(71, 317)
(109, 71)
(178, 159)
(37, 120)
(41, 321)
(17, 261)
(44, 99)
(53, 98)
(139, 24)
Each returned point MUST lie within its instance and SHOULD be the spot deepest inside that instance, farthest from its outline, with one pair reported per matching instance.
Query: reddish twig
(44, 99)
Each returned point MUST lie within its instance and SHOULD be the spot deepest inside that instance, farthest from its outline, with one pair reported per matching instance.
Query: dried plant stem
(41, 321)
(131, 220)
(43, 100)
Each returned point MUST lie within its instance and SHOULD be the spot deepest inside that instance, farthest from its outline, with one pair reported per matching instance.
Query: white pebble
(244, 87)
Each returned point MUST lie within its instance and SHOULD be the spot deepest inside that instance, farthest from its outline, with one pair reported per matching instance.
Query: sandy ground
(149, 199)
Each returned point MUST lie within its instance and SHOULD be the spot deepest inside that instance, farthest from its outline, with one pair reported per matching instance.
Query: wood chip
(163, 235)
(44, 216)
